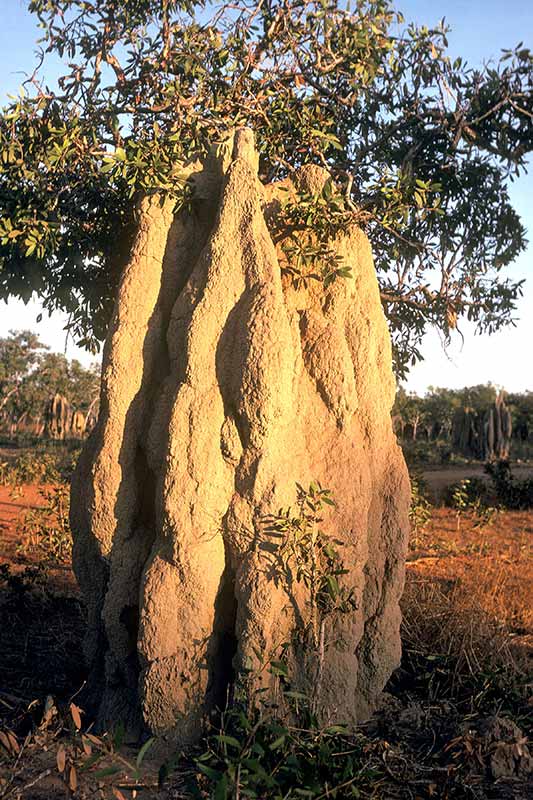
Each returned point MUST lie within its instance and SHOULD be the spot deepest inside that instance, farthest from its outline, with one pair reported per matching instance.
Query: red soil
(15, 502)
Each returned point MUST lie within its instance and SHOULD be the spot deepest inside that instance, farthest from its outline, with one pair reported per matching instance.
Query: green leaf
(278, 668)
(336, 729)
(223, 738)
(279, 742)
(105, 772)
(221, 788)
(296, 695)
(91, 761)
(144, 749)
(212, 774)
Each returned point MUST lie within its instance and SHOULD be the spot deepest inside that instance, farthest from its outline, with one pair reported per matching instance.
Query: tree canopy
(420, 146)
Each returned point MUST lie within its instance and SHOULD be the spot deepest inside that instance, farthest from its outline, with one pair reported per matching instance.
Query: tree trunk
(222, 387)
(5, 399)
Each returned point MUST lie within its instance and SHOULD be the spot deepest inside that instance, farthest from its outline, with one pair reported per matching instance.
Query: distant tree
(19, 353)
(410, 412)
(440, 406)
(477, 398)
(83, 384)
(521, 405)
(421, 146)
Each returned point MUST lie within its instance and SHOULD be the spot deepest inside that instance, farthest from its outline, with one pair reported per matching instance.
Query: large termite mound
(221, 388)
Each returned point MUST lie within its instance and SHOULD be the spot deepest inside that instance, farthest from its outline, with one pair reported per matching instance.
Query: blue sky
(480, 29)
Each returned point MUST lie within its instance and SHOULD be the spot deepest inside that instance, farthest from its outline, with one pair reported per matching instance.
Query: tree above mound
(420, 148)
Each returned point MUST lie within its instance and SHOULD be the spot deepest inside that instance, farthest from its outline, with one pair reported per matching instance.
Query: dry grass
(465, 632)
(468, 609)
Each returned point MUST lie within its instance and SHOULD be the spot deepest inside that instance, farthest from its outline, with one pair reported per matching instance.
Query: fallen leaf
(73, 779)
(76, 715)
(61, 758)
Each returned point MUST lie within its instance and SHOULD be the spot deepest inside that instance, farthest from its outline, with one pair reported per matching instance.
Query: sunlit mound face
(224, 387)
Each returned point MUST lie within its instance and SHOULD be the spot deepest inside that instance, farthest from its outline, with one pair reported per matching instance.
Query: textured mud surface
(223, 387)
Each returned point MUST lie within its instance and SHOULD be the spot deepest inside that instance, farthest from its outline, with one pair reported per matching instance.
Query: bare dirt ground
(444, 730)
(14, 503)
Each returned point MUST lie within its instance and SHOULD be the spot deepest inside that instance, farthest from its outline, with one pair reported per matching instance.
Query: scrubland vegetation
(454, 718)
(448, 426)
(30, 378)
(452, 724)
(418, 150)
